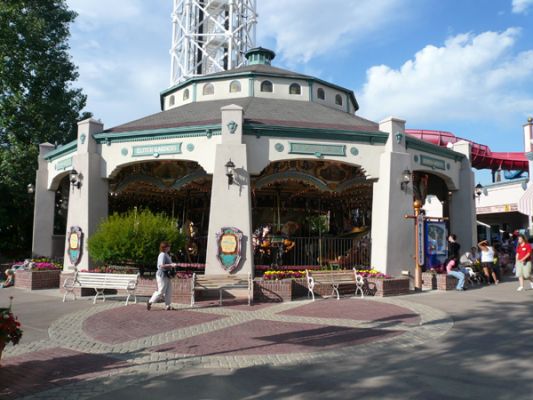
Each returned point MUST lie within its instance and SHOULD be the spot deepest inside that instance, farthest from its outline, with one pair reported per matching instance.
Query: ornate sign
(229, 242)
(156, 150)
(420, 236)
(75, 243)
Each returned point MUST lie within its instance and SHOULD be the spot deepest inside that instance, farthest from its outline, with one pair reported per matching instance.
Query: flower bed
(279, 275)
(10, 331)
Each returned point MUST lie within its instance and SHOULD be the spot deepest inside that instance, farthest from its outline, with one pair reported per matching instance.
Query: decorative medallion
(209, 133)
(82, 138)
(124, 151)
(232, 126)
(354, 151)
(156, 155)
(416, 158)
(318, 154)
(108, 141)
(399, 137)
(190, 147)
(75, 244)
(229, 241)
(279, 147)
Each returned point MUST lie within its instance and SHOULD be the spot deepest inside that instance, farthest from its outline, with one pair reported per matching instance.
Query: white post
(44, 209)
(392, 233)
(88, 204)
(230, 203)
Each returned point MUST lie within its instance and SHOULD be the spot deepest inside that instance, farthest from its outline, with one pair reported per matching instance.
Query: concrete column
(230, 204)
(43, 214)
(88, 204)
(463, 206)
(392, 233)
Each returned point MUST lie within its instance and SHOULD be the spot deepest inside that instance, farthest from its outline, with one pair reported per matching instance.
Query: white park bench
(100, 282)
(334, 279)
(221, 282)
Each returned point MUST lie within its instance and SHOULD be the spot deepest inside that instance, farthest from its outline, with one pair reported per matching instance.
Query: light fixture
(406, 179)
(479, 190)
(30, 188)
(230, 166)
(75, 178)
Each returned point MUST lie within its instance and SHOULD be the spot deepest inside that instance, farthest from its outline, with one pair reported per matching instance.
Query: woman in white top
(164, 288)
(487, 261)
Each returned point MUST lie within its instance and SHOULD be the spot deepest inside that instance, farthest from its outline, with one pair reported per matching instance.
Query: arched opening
(235, 87)
(186, 94)
(320, 94)
(266, 86)
(171, 101)
(295, 89)
(338, 100)
(208, 89)
(180, 189)
(311, 213)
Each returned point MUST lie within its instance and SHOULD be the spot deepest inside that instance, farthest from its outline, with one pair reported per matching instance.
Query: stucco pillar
(230, 204)
(463, 206)
(43, 212)
(88, 204)
(392, 234)
(528, 147)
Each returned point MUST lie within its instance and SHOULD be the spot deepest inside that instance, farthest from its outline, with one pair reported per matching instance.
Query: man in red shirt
(523, 262)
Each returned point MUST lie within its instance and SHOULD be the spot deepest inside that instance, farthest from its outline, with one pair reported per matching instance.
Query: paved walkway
(432, 345)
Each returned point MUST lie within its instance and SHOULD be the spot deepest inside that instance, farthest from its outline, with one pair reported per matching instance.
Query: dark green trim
(254, 74)
(312, 133)
(420, 145)
(62, 150)
(310, 83)
(152, 134)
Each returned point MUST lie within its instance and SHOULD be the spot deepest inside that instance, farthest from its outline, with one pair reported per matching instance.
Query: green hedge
(134, 236)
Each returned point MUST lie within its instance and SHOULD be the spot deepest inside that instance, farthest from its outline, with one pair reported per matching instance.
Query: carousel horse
(261, 241)
(191, 246)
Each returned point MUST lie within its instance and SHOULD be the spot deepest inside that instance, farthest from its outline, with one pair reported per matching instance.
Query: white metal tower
(210, 36)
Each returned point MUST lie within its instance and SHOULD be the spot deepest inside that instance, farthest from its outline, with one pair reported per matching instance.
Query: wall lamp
(230, 167)
(406, 179)
(75, 178)
(478, 190)
(30, 188)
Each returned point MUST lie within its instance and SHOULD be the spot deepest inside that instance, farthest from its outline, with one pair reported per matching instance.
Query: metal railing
(315, 251)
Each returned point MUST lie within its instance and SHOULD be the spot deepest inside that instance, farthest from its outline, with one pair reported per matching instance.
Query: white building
(295, 142)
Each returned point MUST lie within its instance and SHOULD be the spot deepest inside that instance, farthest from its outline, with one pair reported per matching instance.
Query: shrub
(133, 236)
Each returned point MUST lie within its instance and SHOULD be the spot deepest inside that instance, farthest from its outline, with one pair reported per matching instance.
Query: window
(171, 101)
(295, 89)
(208, 89)
(266, 86)
(321, 94)
(186, 94)
(338, 100)
(235, 87)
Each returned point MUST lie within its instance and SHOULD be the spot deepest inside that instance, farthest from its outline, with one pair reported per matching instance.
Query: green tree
(37, 104)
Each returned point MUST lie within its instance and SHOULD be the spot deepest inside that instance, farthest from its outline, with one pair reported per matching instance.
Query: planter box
(273, 291)
(432, 281)
(34, 280)
(382, 287)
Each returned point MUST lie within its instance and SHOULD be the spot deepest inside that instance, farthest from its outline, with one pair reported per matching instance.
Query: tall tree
(37, 104)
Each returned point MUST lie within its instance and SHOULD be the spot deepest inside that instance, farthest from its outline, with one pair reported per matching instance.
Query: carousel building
(278, 159)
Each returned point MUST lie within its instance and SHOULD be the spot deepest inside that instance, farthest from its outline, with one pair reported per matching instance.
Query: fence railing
(311, 251)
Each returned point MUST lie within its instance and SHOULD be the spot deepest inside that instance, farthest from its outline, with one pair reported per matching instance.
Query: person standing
(523, 262)
(487, 261)
(164, 288)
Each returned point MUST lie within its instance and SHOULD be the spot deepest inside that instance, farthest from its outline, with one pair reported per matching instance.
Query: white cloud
(521, 6)
(303, 29)
(469, 77)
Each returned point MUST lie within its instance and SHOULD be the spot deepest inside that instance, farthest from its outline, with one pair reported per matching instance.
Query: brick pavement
(160, 342)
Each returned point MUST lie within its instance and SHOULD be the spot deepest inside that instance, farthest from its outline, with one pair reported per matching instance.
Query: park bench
(221, 282)
(334, 279)
(100, 282)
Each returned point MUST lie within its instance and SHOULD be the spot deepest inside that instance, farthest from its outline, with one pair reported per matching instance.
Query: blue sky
(464, 66)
